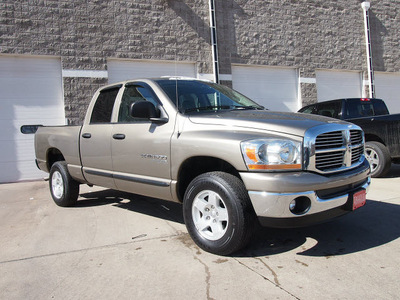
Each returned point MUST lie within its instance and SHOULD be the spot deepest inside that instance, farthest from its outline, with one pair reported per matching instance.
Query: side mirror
(146, 110)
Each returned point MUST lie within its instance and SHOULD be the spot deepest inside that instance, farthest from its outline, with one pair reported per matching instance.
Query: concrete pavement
(115, 245)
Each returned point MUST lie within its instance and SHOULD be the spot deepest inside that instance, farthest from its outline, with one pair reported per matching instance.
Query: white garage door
(274, 88)
(338, 84)
(387, 87)
(30, 93)
(120, 70)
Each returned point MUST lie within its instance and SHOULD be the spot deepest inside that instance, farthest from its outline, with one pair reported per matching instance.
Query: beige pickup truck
(230, 162)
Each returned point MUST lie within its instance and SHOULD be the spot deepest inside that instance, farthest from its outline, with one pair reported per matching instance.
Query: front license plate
(359, 199)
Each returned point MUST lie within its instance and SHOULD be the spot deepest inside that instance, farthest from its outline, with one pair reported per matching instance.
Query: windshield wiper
(218, 107)
(209, 107)
(249, 107)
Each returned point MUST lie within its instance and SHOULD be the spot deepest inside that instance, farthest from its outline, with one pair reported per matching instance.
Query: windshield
(191, 96)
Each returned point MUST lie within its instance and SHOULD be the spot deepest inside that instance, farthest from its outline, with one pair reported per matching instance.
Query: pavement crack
(86, 249)
(271, 270)
(208, 276)
(266, 278)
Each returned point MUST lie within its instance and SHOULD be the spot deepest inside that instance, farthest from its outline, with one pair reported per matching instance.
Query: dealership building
(285, 54)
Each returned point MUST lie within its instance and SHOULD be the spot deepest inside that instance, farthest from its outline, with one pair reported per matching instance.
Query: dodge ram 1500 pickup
(230, 162)
(381, 129)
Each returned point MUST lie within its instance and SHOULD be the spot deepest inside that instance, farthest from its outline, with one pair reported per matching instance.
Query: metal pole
(365, 6)
(214, 47)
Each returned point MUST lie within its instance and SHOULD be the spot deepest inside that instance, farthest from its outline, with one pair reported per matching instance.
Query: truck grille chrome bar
(334, 151)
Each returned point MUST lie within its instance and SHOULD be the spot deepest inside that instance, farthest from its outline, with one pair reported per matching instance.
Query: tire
(378, 157)
(64, 190)
(218, 213)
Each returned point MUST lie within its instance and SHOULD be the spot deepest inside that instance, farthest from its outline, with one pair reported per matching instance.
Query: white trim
(203, 76)
(308, 80)
(225, 77)
(85, 73)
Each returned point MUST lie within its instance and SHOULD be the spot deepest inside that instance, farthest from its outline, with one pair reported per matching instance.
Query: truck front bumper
(318, 197)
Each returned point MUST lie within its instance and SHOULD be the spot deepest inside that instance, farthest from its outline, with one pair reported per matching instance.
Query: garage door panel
(338, 84)
(120, 70)
(20, 170)
(29, 90)
(31, 94)
(274, 88)
(387, 87)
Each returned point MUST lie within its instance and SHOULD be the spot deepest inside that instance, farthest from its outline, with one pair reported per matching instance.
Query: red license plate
(359, 199)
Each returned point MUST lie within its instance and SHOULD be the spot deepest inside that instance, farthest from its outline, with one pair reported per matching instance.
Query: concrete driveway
(114, 245)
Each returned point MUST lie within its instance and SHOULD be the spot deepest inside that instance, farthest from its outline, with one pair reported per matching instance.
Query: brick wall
(307, 35)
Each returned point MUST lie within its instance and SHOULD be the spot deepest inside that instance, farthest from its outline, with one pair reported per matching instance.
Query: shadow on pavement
(394, 171)
(161, 209)
(375, 224)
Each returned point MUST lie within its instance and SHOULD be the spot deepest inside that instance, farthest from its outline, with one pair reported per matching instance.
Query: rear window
(103, 107)
(360, 108)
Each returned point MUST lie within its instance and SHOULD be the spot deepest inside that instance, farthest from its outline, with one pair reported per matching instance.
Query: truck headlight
(272, 154)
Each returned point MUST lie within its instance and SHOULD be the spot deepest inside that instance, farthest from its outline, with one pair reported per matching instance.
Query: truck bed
(63, 138)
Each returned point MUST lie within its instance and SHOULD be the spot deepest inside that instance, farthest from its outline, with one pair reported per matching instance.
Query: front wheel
(218, 214)
(64, 190)
(378, 157)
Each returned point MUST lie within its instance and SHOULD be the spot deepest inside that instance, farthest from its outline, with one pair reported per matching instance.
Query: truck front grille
(334, 151)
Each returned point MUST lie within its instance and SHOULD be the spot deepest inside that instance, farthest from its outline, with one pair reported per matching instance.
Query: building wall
(86, 33)
(307, 35)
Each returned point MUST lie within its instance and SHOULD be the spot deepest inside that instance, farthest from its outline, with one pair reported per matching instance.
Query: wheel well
(373, 138)
(54, 155)
(195, 166)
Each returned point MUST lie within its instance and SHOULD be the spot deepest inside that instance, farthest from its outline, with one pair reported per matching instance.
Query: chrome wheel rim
(57, 184)
(372, 158)
(210, 215)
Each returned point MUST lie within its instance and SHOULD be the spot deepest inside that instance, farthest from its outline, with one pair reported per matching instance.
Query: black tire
(379, 158)
(64, 190)
(218, 213)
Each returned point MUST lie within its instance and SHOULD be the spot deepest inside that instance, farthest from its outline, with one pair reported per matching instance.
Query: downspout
(214, 47)
(365, 6)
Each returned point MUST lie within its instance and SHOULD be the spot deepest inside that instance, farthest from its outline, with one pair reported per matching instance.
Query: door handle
(119, 136)
(86, 135)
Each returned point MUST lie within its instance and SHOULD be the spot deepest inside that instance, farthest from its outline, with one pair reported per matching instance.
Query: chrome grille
(332, 151)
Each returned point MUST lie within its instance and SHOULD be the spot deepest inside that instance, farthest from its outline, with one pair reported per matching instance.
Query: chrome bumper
(276, 205)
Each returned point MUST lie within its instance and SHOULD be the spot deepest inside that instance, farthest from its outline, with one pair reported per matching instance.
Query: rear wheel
(378, 157)
(218, 213)
(64, 190)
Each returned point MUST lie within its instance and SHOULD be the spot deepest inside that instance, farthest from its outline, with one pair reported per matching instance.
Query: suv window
(132, 94)
(103, 107)
(329, 109)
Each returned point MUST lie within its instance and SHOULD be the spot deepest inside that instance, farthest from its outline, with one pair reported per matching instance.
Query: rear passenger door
(96, 139)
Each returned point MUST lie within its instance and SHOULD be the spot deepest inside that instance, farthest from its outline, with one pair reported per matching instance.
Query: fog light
(292, 205)
(300, 205)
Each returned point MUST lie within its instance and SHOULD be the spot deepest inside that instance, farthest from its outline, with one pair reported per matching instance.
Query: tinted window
(329, 109)
(192, 96)
(103, 107)
(308, 109)
(380, 107)
(132, 94)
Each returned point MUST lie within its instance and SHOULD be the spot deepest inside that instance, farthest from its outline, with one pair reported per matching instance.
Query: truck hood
(283, 122)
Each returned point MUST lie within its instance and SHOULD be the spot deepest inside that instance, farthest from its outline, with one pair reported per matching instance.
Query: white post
(214, 47)
(365, 6)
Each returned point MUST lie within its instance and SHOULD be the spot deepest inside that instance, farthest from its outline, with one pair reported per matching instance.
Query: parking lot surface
(114, 245)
